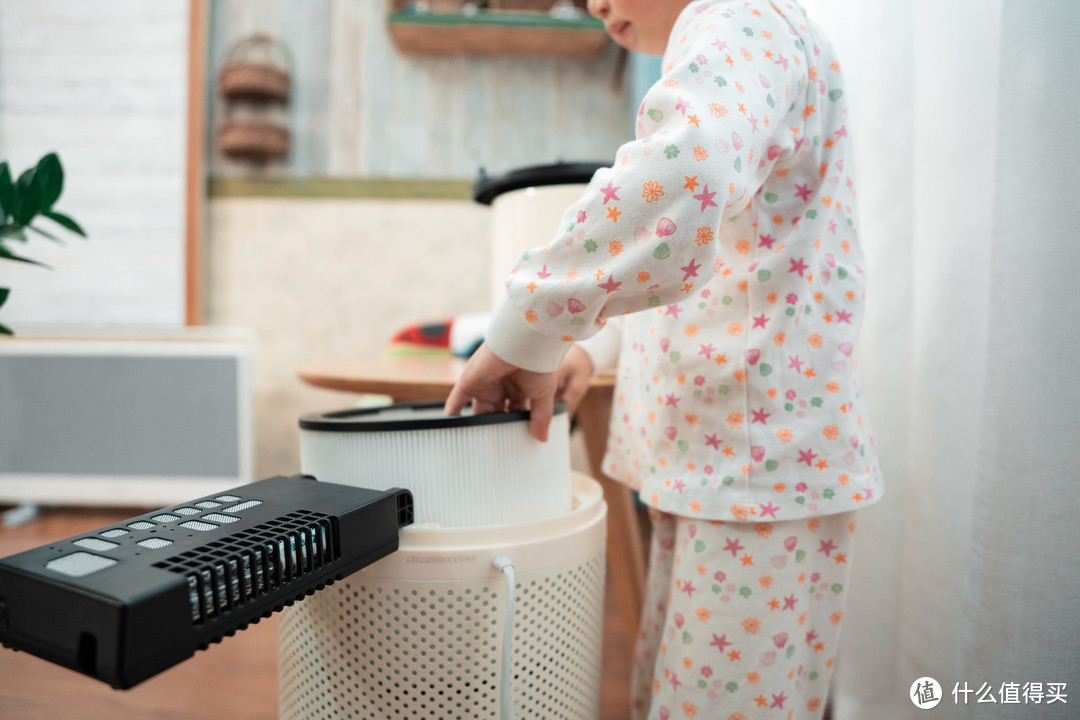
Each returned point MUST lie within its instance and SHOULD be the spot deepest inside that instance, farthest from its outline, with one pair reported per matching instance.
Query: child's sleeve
(603, 346)
(643, 233)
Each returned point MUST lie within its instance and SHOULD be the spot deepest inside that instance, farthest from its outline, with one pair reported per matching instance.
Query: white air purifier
(527, 205)
(492, 607)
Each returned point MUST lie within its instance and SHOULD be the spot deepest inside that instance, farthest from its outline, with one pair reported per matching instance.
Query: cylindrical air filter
(467, 471)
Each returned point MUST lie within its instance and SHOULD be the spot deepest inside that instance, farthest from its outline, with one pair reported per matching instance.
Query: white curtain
(967, 122)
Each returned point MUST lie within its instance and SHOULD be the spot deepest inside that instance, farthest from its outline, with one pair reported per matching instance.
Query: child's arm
(642, 235)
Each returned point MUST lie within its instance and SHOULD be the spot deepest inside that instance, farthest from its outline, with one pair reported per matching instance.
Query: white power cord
(505, 565)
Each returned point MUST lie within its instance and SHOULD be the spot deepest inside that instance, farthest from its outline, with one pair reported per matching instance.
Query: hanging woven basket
(253, 140)
(257, 69)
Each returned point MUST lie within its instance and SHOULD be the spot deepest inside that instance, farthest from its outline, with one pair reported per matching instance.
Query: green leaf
(41, 232)
(4, 292)
(7, 193)
(6, 254)
(49, 180)
(65, 221)
(26, 198)
(5, 330)
(12, 230)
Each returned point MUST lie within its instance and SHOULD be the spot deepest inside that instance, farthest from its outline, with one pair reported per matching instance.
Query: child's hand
(574, 376)
(496, 386)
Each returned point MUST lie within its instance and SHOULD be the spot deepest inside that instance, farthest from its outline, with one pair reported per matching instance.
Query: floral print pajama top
(721, 251)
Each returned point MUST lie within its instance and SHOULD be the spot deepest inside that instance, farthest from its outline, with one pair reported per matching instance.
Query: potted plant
(33, 194)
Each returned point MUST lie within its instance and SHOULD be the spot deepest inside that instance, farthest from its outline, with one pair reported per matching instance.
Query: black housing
(487, 187)
(175, 580)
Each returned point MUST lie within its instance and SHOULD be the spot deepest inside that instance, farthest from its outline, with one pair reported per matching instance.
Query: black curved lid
(407, 416)
(487, 187)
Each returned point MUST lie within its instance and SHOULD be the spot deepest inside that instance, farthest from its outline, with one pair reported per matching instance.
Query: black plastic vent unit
(124, 602)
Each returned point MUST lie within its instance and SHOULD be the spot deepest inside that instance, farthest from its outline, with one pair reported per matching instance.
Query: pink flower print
(581, 216)
(801, 487)
(699, 380)
(790, 394)
(708, 469)
(702, 60)
(792, 298)
(706, 671)
(719, 576)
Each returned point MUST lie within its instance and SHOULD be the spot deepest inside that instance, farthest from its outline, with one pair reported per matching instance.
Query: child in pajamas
(717, 266)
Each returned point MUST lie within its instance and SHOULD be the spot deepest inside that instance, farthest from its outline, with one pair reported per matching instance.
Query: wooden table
(414, 379)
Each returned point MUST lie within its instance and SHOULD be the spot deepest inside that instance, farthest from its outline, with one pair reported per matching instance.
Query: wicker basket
(253, 140)
(256, 69)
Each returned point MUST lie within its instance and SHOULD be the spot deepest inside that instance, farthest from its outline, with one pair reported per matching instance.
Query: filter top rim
(427, 417)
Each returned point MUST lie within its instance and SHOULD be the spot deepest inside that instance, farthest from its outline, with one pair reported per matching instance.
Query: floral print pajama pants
(741, 620)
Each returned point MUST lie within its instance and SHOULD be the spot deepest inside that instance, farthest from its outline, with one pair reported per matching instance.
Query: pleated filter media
(435, 630)
(470, 471)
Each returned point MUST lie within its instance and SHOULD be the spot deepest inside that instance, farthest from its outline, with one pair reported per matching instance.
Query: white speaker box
(135, 420)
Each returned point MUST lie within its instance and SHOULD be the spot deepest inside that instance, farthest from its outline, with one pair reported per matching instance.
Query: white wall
(104, 84)
(332, 281)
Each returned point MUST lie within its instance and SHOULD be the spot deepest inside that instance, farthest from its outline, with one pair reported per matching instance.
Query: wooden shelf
(494, 32)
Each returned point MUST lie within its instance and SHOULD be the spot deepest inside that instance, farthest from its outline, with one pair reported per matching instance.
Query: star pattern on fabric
(610, 286)
(706, 198)
(720, 642)
(734, 546)
(610, 192)
(763, 345)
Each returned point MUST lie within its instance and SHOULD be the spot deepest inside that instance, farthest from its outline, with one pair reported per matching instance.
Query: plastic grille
(154, 543)
(165, 518)
(141, 525)
(187, 511)
(226, 573)
(375, 648)
(115, 532)
(227, 498)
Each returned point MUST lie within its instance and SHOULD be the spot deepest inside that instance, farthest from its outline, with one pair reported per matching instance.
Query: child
(718, 259)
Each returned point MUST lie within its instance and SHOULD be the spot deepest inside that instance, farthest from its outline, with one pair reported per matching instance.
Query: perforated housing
(420, 633)
(124, 602)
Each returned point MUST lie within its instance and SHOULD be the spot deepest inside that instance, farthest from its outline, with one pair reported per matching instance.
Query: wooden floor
(234, 680)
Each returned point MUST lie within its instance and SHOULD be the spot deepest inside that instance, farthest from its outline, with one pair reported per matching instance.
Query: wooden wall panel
(361, 109)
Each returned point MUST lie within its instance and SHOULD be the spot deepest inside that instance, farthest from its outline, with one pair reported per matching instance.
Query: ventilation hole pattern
(187, 511)
(224, 574)
(115, 532)
(198, 525)
(219, 518)
(154, 543)
(96, 544)
(375, 648)
(165, 518)
(141, 525)
(226, 498)
(243, 506)
(79, 564)
(207, 504)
